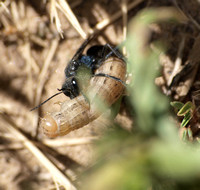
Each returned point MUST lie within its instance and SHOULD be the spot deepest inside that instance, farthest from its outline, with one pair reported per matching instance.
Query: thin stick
(55, 142)
(26, 54)
(4, 7)
(55, 172)
(37, 40)
(54, 17)
(44, 70)
(13, 146)
(76, 3)
(187, 15)
(124, 20)
(25, 51)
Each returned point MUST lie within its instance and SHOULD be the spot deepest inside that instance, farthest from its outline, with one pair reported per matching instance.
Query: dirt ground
(27, 40)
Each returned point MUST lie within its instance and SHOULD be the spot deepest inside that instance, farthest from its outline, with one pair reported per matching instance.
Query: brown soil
(24, 45)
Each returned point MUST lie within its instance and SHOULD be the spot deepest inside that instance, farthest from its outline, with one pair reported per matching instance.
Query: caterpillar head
(49, 126)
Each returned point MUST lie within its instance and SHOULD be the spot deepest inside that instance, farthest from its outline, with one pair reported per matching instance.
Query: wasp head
(70, 88)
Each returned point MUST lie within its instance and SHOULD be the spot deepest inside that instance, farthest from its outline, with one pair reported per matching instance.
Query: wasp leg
(112, 51)
(109, 76)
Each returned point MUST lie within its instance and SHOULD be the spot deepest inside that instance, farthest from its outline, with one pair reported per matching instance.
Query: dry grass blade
(194, 21)
(37, 40)
(26, 54)
(44, 70)
(68, 142)
(101, 25)
(56, 174)
(65, 8)
(25, 50)
(76, 3)
(4, 6)
(17, 11)
(54, 16)
(13, 146)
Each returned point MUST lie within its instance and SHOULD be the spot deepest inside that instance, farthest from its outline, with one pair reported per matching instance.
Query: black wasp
(92, 60)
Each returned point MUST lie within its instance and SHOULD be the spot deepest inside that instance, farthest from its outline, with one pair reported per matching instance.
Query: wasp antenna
(45, 101)
(59, 89)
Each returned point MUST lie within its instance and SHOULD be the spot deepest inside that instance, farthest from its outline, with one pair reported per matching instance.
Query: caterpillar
(107, 85)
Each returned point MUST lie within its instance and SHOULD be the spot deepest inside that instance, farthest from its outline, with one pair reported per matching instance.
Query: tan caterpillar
(80, 111)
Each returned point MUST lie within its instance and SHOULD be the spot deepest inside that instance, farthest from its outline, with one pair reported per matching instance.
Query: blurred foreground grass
(151, 156)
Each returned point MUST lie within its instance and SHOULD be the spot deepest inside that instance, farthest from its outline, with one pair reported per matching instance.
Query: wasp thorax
(49, 126)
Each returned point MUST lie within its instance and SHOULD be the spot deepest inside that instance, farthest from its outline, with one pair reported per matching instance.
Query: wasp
(82, 67)
(100, 73)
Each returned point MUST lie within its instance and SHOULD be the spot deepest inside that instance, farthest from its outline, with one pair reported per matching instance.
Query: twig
(25, 51)
(76, 3)
(58, 142)
(44, 70)
(55, 172)
(190, 69)
(194, 21)
(124, 19)
(18, 19)
(178, 62)
(26, 54)
(37, 40)
(69, 142)
(187, 15)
